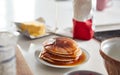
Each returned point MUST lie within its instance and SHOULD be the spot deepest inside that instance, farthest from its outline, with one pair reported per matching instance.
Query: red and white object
(82, 20)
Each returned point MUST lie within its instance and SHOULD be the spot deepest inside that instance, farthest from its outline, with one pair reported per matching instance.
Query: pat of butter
(34, 28)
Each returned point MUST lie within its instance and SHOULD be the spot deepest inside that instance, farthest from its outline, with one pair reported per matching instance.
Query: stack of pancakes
(60, 50)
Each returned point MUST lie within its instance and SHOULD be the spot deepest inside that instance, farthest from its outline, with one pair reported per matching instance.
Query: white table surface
(28, 47)
(46, 9)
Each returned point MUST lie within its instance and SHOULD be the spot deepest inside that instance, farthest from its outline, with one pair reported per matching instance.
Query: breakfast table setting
(95, 62)
(60, 46)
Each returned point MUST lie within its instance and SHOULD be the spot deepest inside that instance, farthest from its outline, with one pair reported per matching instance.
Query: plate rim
(83, 71)
(59, 66)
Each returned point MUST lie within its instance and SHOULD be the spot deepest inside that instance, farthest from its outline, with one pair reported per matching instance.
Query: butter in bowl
(32, 29)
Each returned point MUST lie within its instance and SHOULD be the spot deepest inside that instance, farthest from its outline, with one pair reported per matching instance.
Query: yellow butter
(33, 28)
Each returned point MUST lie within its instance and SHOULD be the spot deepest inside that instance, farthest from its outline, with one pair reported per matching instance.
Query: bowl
(83, 72)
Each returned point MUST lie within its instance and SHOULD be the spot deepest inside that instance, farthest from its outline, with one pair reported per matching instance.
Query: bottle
(83, 20)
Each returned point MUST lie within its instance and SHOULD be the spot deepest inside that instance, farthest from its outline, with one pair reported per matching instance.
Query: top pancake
(61, 45)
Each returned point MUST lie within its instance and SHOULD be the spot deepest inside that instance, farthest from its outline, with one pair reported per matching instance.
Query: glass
(8, 42)
(64, 14)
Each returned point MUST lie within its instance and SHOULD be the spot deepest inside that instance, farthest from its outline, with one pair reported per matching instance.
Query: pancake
(57, 62)
(60, 50)
(55, 57)
(61, 45)
(47, 58)
(78, 52)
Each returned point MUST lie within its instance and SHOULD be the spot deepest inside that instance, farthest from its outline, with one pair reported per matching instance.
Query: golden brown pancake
(55, 57)
(62, 45)
(60, 50)
(78, 52)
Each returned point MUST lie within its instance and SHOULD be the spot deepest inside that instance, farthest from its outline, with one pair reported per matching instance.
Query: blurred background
(55, 12)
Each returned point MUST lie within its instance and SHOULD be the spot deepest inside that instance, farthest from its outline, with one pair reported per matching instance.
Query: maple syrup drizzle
(80, 60)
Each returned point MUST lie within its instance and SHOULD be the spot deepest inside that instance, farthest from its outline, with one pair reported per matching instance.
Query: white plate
(59, 66)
